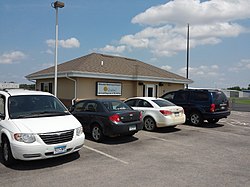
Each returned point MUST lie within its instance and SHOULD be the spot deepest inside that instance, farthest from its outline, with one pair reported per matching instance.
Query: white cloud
(166, 67)
(69, 43)
(12, 57)
(206, 72)
(113, 49)
(165, 31)
(244, 64)
(194, 12)
(49, 51)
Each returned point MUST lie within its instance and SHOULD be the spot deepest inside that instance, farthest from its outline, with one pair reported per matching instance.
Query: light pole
(56, 5)
(187, 53)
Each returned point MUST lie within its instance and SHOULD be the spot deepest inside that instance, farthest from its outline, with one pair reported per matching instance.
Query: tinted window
(143, 103)
(169, 96)
(219, 96)
(79, 107)
(28, 105)
(131, 102)
(115, 105)
(163, 103)
(200, 96)
(181, 96)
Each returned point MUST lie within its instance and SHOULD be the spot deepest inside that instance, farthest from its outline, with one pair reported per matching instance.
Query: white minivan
(36, 125)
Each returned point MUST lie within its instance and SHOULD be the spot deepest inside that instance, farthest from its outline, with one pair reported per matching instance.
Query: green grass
(245, 101)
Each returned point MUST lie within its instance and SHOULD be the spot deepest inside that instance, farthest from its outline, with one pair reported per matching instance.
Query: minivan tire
(6, 153)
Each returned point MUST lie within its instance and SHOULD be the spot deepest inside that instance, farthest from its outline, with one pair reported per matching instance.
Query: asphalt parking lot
(208, 155)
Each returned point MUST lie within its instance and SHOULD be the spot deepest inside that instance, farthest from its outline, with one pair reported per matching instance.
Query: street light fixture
(56, 5)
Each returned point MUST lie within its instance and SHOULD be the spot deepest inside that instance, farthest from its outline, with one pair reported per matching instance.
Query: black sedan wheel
(97, 133)
(149, 124)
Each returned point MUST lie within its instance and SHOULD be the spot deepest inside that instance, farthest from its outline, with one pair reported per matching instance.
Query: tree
(235, 88)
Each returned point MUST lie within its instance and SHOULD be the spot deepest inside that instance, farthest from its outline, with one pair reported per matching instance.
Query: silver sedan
(157, 112)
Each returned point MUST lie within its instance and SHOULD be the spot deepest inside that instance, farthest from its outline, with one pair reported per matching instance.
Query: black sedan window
(115, 105)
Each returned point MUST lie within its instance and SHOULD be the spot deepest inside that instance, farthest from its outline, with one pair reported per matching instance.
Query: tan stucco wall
(86, 88)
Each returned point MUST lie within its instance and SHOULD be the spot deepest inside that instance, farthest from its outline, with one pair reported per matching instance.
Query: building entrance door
(150, 90)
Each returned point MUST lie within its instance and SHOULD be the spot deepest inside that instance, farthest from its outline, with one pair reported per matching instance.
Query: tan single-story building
(105, 76)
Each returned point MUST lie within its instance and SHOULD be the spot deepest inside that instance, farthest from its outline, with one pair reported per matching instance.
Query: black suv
(200, 104)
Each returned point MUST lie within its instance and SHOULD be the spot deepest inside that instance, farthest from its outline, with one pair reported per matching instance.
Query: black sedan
(107, 117)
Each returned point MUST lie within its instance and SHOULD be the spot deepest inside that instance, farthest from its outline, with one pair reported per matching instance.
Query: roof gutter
(72, 101)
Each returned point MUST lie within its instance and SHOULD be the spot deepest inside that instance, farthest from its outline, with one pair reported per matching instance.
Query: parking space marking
(105, 154)
(167, 140)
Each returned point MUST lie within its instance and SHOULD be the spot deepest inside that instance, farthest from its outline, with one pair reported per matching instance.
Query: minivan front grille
(57, 137)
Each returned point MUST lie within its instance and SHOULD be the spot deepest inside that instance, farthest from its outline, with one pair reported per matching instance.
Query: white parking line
(105, 154)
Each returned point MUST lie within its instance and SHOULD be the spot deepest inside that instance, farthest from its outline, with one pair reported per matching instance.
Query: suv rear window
(219, 97)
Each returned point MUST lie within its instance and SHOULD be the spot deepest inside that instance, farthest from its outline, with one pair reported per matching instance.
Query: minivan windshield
(28, 106)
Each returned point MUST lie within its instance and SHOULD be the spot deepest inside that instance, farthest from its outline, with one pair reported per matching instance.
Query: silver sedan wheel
(149, 124)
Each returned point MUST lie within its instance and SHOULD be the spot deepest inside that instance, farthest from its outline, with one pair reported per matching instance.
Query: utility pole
(187, 54)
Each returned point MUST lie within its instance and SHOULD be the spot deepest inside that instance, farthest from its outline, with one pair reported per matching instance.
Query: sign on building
(108, 88)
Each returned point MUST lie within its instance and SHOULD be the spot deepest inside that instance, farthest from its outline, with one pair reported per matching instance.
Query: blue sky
(153, 31)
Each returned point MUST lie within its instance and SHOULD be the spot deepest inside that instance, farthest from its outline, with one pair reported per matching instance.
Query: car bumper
(216, 115)
(119, 129)
(171, 121)
(39, 150)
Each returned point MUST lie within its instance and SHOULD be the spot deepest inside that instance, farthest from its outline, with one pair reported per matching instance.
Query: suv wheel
(96, 133)
(196, 118)
(6, 153)
(149, 124)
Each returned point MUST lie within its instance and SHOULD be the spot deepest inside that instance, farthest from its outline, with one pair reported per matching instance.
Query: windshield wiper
(43, 113)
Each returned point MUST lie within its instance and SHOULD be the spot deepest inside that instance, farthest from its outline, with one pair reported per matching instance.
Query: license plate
(59, 149)
(132, 128)
(176, 114)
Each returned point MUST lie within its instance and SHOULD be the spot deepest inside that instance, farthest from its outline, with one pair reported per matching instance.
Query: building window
(46, 87)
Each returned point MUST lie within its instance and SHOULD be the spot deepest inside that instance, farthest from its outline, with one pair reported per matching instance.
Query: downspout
(72, 101)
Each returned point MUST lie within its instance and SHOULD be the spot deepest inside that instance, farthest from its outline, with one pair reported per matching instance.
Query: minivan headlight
(25, 137)
(79, 131)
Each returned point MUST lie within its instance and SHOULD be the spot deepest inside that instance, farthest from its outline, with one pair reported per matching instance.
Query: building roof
(103, 66)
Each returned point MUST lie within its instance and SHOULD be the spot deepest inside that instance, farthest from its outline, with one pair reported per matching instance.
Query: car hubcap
(195, 119)
(96, 133)
(149, 124)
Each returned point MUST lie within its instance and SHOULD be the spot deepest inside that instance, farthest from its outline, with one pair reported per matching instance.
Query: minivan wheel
(149, 124)
(212, 121)
(6, 153)
(97, 133)
(196, 118)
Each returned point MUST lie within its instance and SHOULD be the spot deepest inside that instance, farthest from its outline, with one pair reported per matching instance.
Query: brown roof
(96, 63)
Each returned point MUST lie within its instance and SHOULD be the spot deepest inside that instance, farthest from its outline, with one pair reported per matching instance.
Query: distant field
(240, 100)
